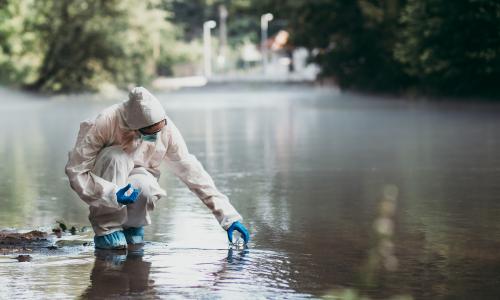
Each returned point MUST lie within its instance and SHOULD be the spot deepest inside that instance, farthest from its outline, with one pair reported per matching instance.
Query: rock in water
(23, 258)
(31, 238)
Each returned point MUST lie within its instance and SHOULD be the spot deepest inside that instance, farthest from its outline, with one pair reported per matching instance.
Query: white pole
(207, 47)
(264, 24)
(221, 59)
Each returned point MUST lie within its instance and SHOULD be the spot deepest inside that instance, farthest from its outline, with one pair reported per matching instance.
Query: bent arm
(92, 189)
(190, 171)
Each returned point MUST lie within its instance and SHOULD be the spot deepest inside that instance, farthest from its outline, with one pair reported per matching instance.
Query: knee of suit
(143, 185)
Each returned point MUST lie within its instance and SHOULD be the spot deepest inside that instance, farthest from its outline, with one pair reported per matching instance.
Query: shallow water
(341, 193)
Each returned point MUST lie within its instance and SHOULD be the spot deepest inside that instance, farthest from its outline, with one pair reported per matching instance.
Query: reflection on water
(191, 273)
(340, 192)
(117, 275)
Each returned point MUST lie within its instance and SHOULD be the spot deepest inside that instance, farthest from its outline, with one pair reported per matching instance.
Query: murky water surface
(341, 193)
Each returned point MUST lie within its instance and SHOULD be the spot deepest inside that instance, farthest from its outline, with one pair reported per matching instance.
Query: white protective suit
(109, 153)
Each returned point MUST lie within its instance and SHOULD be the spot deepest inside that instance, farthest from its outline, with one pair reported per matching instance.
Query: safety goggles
(143, 130)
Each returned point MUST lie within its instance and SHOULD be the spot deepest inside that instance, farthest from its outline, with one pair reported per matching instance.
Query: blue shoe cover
(113, 241)
(134, 235)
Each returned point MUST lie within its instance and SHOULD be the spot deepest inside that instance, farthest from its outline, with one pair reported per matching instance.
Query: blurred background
(429, 46)
(359, 139)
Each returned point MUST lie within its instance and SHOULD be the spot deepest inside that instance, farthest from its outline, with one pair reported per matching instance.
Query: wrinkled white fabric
(114, 165)
(108, 154)
(142, 109)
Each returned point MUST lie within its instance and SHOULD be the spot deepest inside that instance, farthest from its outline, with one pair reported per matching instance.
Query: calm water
(341, 193)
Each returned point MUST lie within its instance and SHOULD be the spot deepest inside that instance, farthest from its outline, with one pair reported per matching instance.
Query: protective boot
(134, 235)
(113, 241)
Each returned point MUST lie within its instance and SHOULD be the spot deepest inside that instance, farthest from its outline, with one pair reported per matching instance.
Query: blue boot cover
(113, 241)
(134, 235)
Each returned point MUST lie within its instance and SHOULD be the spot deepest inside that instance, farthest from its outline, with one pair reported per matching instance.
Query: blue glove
(122, 198)
(238, 227)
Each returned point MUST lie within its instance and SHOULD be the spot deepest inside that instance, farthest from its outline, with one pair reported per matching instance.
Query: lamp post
(207, 47)
(264, 22)
(221, 58)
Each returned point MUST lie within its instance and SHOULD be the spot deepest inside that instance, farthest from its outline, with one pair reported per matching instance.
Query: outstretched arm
(187, 167)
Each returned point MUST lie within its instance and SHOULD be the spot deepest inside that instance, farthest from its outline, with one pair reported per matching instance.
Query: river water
(344, 195)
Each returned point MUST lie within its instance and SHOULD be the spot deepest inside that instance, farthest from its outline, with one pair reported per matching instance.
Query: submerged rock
(20, 239)
(23, 257)
(37, 242)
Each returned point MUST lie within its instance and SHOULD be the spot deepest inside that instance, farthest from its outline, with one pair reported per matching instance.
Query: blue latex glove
(122, 198)
(238, 227)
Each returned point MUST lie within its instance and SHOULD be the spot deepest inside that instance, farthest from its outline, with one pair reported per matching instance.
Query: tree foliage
(77, 45)
(243, 17)
(435, 46)
(87, 42)
(352, 40)
(452, 47)
(18, 48)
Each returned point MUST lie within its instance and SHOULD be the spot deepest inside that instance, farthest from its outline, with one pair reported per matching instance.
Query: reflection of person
(114, 167)
(238, 259)
(115, 274)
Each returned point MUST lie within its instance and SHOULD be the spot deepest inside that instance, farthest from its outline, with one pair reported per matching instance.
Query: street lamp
(264, 20)
(221, 58)
(207, 47)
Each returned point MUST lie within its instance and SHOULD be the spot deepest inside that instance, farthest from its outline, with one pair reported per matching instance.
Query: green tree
(19, 56)
(91, 41)
(69, 45)
(243, 17)
(452, 47)
(353, 40)
(189, 15)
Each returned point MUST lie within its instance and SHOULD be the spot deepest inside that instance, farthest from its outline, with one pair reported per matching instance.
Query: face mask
(149, 137)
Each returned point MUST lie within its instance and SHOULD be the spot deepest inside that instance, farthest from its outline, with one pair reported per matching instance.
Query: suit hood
(142, 109)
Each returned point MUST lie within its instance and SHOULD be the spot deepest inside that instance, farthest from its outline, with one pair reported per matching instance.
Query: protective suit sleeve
(187, 167)
(92, 189)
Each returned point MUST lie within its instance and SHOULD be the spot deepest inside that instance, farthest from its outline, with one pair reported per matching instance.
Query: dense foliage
(354, 41)
(452, 47)
(435, 46)
(62, 46)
